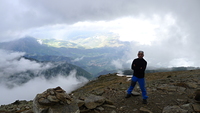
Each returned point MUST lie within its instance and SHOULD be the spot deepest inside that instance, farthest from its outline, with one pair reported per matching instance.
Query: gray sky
(167, 30)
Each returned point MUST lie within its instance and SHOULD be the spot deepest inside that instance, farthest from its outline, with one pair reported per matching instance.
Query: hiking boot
(144, 101)
(128, 95)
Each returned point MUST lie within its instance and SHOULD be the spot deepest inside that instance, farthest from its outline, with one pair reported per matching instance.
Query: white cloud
(39, 41)
(38, 85)
(20, 16)
(185, 62)
(143, 30)
(13, 62)
(78, 59)
(117, 64)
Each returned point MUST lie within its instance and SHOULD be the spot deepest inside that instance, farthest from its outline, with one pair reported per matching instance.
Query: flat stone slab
(135, 93)
(196, 107)
(93, 101)
(145, 110)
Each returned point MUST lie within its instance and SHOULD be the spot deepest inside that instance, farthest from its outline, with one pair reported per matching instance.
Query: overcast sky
(167, 30)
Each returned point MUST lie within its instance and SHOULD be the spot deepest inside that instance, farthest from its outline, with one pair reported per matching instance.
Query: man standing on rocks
(138, 66)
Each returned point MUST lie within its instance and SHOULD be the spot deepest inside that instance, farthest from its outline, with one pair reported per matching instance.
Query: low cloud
(13, 62)
(118, 64)
(12, 66)
(29, 90)
(78, 59)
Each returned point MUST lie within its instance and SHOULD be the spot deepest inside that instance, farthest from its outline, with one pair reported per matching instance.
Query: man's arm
(134, 66)
(145, 65)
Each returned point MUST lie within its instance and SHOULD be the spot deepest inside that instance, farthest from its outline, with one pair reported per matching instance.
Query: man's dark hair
(141, 52)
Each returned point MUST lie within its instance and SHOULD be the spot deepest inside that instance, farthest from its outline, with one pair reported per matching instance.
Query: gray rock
(44, 101)
(110, 106)
(134, 93)
(123, 88)
(134, 110)
(195, 80)
(192, 85)
(47, 102)
(187, 107)
(52, 98)
(99, 92)
(96, 111)
(144, 110)
(28, 111)
(63, 96)
(182, 101)
(72, 108)
(100, 108)
(122, 108)
(173, 109)
(181, 89)
(198, 82)
(113, 111)
(196, 107)
(92, 101)
(166, 87)
(109, 102)
(80, 102)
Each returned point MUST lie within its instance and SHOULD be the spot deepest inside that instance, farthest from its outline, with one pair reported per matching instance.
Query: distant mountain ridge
(63, 68)
(28, 45)
(49, 58)
(94, 60)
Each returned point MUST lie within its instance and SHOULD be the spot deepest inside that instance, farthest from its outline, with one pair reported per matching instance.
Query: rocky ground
(169, 92)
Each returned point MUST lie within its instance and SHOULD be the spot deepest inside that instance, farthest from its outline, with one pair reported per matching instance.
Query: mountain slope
(94, 60)
(169, 92)
(63, 68)
(49, 58)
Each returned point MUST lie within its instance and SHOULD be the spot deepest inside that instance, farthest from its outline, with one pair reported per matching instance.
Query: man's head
(140, 54)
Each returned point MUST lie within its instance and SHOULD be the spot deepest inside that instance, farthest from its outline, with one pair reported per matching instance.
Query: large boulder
(54, 100)
(174, 109)
(93, 101)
